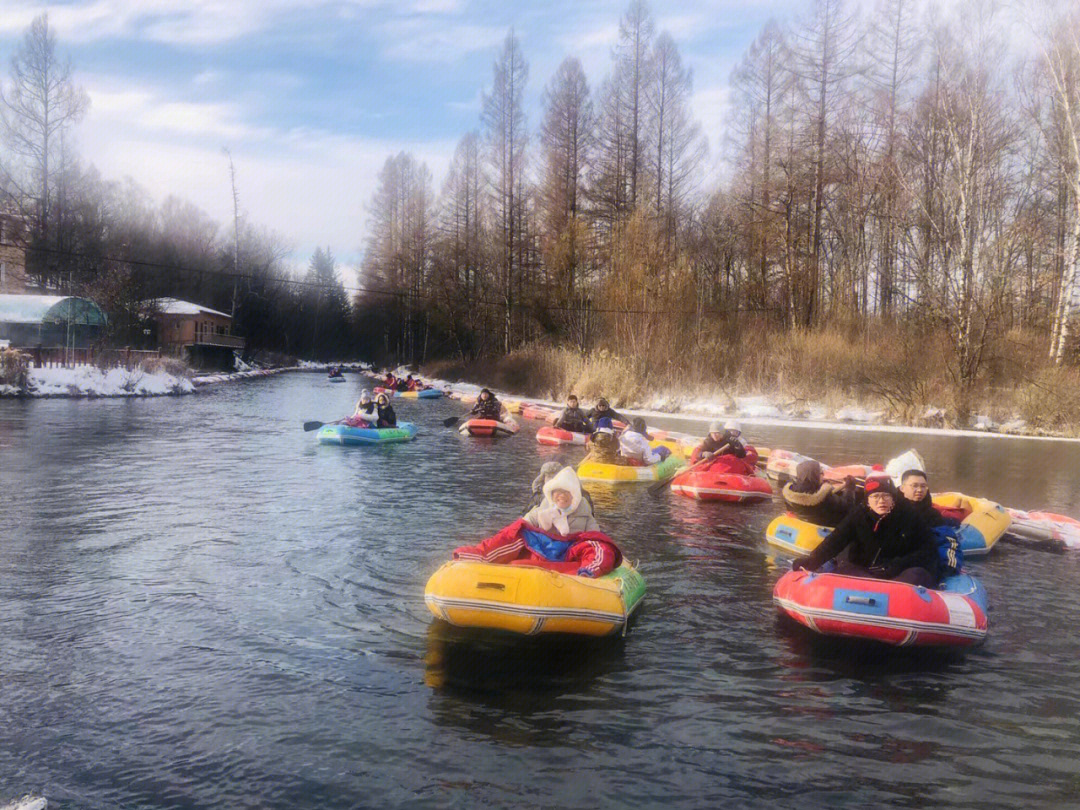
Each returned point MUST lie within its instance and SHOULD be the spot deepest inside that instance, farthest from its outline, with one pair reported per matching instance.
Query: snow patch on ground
(758, 407)
(859, 415)
(89, 381)
(27, 803)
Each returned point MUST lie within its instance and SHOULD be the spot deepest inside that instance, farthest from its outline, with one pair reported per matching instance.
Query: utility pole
(236, 230)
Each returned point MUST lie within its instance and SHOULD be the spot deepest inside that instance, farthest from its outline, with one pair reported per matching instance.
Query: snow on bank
(90, 381)
(762, 410)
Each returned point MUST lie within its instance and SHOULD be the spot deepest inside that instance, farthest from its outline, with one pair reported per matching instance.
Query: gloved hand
(707, 454)
(800, 564)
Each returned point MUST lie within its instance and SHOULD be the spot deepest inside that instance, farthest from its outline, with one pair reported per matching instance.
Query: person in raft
(634, 445)
(564, 508)
(724, 440)
(562, 536)
(916, 490)
(573, 418)
(603, 411)
(884, 537)
(604, 447)
(548, 470)
(366, 414)
(387, 417)
(390, 381)
(488, 407)
(811, 499)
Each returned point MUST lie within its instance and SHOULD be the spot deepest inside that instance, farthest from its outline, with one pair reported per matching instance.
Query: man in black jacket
(604, 411)
(884, 538)
(573, 418)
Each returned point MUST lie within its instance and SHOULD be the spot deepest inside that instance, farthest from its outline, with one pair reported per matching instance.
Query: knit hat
(365, 394)
(547, 469)
(879, 483)
(604, 423)
(715, 426)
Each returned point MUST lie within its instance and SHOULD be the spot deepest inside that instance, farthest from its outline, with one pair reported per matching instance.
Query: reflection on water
(201, 607)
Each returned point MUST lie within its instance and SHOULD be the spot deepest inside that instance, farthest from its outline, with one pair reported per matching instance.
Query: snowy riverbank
(767, 411)
(90, 381)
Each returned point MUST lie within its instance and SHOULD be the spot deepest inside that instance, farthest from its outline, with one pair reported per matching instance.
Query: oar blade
(313, 425)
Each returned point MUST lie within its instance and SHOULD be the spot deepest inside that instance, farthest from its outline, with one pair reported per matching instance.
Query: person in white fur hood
(563, 509)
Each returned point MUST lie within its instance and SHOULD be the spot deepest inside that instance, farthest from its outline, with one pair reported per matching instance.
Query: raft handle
(861, 600)
(495, 586)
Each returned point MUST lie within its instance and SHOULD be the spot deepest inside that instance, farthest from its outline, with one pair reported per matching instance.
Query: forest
(899, 218)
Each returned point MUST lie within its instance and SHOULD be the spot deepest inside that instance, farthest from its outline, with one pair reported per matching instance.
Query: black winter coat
(822, 508)
(489, 408)
(610, 413)
(899, 540)
(735, 445)
(387, 417)
(574, 420)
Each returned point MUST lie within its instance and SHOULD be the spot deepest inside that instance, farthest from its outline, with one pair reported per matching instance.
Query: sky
(312, 96)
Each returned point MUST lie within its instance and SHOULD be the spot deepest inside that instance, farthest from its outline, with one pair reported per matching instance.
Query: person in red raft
(725, 446)
(885, 538)
(560, 535)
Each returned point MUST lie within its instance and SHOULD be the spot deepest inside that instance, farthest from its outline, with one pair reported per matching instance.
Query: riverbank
(766, 410)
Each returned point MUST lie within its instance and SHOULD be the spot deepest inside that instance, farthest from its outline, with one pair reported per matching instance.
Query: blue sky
(312, 96)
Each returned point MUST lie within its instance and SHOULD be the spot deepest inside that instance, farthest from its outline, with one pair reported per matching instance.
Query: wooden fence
(102, 358)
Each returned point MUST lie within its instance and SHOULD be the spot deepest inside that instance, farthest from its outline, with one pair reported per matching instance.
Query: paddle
(450, 422)
(317, 425)
(656, 489)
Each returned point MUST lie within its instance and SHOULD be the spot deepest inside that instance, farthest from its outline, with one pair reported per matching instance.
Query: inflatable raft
(487, 427)
(555, 437)
(781, 465)
(527, 600)
(984, 522)
(423, 393)
(337, 378)
(952, 615)
(1045, 527)
(541, 412)
(625, 474)
(343, 434)
(719, 482)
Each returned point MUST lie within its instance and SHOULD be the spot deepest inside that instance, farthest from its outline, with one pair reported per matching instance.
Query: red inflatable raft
(726, 479)
(487, 427)
(886, 611)
(555, 437)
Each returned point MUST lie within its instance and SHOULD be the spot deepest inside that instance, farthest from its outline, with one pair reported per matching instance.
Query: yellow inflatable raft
(986, 521)
(625, 474)
(527, 600)
(984, 525)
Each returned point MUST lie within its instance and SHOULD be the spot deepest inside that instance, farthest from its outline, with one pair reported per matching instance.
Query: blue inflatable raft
(343, 434)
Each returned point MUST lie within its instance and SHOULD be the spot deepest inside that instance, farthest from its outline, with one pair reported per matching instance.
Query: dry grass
(897, 370)
(13, 367)
(167, 365)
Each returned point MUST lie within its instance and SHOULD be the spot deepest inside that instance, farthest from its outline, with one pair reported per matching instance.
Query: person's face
(715, 436)
(485, 396)
(880, 503)
(914, 488)
(572, 402)
(561, 498)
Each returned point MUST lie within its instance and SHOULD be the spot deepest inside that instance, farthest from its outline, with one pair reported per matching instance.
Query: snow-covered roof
(16, 308)
(174, 306)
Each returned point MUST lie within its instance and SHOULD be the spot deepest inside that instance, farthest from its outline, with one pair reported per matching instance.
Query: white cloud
(429, 39)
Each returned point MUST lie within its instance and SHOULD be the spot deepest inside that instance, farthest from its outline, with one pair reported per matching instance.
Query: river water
(201, 607)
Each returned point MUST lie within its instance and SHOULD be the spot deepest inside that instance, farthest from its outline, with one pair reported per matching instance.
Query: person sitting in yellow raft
(811, 499)
(634, 445)
(604, 448)
(564, 508)
(561, 535)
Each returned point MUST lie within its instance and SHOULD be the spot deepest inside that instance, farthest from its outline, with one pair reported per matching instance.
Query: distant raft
(556, 437)
(343, 434)
(626, 474)
(527, 600)
(336, 378)
(952, 615)
(488, 428)
(423, 393)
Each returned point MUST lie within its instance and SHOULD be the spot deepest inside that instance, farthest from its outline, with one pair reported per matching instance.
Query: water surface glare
(201, 607)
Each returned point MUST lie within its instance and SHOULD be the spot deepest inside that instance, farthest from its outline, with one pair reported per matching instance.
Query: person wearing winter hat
(366, 413)
(387, 416)
(604, 448)
(564, 509)
(811, 499)
(634, 445)
(724, 440)
(487, 406)
(547, 471)
(604, 411)
(884, 538)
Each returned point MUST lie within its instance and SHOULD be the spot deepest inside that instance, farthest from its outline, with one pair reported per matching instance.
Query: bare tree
(37, 109)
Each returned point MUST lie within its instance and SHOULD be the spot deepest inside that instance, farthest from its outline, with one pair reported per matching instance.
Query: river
(202, 607)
